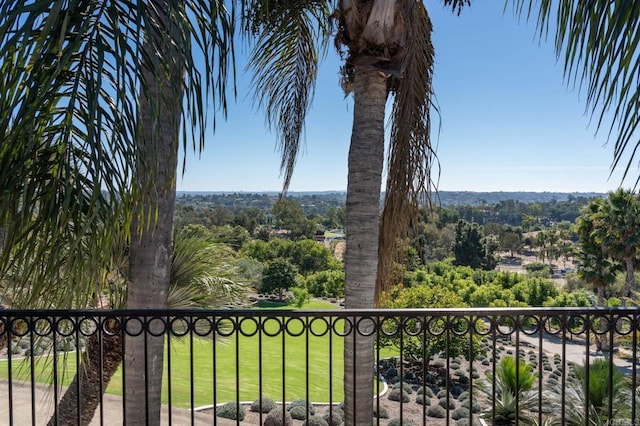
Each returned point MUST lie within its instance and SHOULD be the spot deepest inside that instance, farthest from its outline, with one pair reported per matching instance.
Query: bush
(422, 400)
(397, 394)
(405, 387)
(383, 414)
(230, 411)
(427, 391)
(315, 421)
(436, 411)
(302, 403)
(456, 391)
(442, 393)
(335, 417)
(268, 404)
(274, 418)
(464, 379)
(298, 412)
(447, 403)
(460, 413)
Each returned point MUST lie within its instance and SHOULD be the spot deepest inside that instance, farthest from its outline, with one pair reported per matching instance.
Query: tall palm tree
(387, 50)
(90, 105)
(203, 274)
(596, 266)
(617, 230)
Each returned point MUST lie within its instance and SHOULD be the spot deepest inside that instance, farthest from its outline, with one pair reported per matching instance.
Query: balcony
(435, 367)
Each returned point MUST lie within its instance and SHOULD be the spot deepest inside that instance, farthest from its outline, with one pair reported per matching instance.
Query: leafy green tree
(308, 256)
(468, 249)
(326, 283)
(510, 238)
(289, 215)
(278, 276)
(416, 346)
(233, 236)
(472, 248)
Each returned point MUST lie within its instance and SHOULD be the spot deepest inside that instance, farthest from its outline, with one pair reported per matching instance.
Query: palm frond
(411, 155)
(599, 41)
(71, 77)
(290, 41)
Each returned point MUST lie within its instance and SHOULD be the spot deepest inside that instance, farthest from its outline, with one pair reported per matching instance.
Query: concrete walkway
(39, 401)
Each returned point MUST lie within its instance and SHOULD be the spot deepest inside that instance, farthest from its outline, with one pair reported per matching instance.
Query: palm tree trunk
(366, 157)
(151, 245)
(88, 386)
(629, 290)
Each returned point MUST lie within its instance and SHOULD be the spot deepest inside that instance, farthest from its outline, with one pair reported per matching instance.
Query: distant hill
(461, 198)
(444, 198)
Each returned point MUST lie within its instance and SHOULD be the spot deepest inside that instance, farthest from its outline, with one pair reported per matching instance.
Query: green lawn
(245, 376)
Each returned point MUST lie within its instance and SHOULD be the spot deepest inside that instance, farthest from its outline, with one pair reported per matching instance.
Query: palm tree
(203, 274)
(387, 50)
(617, 230)
(71, 74)
(588, 392)
(515, 395)
(90, 102)
(596, 266)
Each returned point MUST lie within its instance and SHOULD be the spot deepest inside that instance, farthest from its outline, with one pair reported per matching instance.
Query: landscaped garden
(190, 361)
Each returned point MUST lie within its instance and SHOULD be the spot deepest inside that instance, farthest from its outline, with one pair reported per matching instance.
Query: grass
(192, 378)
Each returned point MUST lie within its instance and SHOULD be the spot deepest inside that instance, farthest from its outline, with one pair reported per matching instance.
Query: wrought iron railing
(445, 366)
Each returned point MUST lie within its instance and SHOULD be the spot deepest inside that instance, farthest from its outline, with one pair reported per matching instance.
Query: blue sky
(509, 121)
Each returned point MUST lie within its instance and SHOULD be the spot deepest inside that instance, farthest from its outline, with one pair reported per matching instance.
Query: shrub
(383, 414)
(315, 421)
(464, 379)
(405, 387)
(268, 404)
(299, 412)
(436, 411)
(422, 400)
(302, 403)
(427, 391)
(442, 393)
(460, 413)
(391, 373)
(397, 394)
(447, 403)
(335, 417)
(37, 351)
(456, 391)
(275, 416)
(230, 411)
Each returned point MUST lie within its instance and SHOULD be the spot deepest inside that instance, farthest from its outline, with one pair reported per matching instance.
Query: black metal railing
(445, 366)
